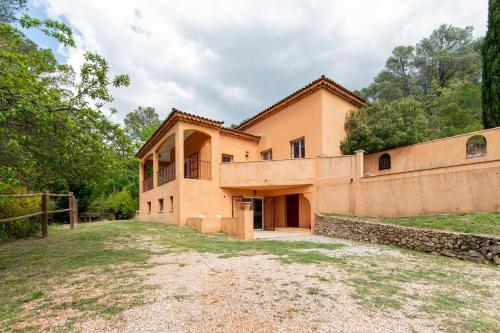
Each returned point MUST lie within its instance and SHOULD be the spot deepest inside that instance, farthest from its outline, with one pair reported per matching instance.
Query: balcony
(166, 174)
(268, 173)
(197, 169)
(147, 184)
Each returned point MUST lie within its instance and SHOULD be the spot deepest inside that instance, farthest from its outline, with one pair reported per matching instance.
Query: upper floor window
(476, 146)
(267, 155)
(227, 158)
(298, 148)
(384, 162)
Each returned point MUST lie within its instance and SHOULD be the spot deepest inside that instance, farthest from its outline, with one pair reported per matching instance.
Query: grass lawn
(101, 269)
(477, 223)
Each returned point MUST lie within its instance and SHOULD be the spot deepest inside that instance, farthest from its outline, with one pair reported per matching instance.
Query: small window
(171, 203)
(160, 203)
(384, 162)
(149, 206)
(227, 158)
(267, 155)
(298, 148)
(476, 146)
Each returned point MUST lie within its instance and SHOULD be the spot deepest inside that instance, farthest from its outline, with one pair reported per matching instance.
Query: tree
(456, 109)
(9, 8)
(51, 135)
(447, 54)
(396, 80)
(141, 123)
(383, 126)
(491, 68)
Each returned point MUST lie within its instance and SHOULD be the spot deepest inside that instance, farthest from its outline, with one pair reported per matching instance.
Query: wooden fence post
(45, 214)
(72, 210)
(76, 210)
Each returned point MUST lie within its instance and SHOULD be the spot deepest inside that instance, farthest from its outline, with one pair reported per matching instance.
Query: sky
(230, 59)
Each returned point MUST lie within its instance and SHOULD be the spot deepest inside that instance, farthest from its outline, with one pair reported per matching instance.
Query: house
(285, 164)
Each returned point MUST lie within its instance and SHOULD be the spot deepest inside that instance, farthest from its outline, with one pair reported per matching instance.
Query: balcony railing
(147, 184)
(197, 169)
(167, 174)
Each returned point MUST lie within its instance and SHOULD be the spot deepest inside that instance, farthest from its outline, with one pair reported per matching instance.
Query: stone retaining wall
(479, 248)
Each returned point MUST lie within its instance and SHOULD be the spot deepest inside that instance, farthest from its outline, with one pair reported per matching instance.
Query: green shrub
(12, 207)
(121, 204)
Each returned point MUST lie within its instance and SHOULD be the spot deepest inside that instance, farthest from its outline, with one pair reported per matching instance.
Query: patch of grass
(313, 291)
(188, 239)
(477, 223)
(445, 301)
(84, 261)
(482, 324)
(377, 293)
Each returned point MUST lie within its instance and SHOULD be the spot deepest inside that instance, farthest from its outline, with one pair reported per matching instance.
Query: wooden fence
(73, 209)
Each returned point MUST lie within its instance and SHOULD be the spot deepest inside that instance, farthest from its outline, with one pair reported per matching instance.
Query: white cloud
(230, 59)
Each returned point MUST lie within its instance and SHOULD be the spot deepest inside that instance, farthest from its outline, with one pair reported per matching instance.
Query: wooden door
(269, 223)
(292, 211)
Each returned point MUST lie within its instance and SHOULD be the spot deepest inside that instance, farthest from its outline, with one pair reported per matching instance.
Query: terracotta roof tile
(322, 82)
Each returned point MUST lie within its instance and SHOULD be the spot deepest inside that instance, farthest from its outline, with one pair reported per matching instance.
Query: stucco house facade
(285, 164)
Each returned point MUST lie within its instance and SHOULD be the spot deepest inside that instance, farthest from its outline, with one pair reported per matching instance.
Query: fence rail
(73, 209)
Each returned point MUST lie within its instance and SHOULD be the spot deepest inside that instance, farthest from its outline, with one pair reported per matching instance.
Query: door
(257, 213)
(269, 223)
(292, 211)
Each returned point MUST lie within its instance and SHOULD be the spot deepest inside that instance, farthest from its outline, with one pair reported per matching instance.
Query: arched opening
(384, 162)
(197, 155)
(476, 146)
(166, 161)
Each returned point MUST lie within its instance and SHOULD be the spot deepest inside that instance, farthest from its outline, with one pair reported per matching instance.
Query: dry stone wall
(479, 248)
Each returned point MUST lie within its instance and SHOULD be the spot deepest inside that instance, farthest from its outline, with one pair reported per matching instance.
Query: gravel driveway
(202, 292)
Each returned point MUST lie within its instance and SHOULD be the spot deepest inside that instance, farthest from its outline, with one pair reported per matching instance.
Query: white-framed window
(298, 148)
(267, 155)
(227, 158)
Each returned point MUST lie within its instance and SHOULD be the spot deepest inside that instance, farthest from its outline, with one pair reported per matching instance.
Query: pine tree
(491, 68)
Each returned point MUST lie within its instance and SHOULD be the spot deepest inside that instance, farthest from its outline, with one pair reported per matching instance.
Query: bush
(12, 207)
(384, 125)
(121, 204)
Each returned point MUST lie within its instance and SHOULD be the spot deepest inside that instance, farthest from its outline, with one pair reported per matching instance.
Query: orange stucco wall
(300, 119)
(427, 178)
(436, 153)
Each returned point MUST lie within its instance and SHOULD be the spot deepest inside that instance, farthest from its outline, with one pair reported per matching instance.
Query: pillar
(155, 169)
(359, 164)
(179, 153)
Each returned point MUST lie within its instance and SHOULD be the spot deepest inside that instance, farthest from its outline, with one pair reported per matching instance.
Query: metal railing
(197, 169)
(147, 184)
(167, 174)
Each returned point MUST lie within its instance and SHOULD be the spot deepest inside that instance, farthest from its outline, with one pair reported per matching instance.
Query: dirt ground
(204, 292)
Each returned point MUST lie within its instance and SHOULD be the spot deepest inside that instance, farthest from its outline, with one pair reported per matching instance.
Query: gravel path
(205, 293)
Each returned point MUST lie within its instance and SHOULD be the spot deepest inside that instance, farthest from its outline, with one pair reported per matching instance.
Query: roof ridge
(360, 100)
